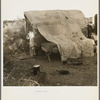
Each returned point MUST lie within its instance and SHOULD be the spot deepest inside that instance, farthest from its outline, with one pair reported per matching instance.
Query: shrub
(14, 37)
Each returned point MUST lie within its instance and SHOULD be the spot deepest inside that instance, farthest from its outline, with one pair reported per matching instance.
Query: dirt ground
(18, 71)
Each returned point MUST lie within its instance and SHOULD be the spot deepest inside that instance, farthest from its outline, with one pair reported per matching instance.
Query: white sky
(13, 9)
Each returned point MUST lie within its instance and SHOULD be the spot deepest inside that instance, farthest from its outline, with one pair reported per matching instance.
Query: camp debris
(63, 72)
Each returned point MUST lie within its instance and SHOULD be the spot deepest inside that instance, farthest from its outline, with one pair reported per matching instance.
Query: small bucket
(36, 69)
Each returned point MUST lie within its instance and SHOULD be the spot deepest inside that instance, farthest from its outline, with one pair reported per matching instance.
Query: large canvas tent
(62, 27)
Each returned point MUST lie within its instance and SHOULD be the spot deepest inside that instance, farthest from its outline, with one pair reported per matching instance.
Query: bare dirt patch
(18, 72)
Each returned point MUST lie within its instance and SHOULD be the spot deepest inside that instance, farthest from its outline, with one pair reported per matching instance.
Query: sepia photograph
(50, 44)
(50, 48)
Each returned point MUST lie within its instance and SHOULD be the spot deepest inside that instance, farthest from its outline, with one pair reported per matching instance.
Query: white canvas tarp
(70, 46)
(64, 29)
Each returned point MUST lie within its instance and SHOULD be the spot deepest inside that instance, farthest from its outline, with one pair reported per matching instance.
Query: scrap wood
(21, 57)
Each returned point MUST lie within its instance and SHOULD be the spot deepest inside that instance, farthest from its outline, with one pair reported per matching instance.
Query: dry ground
(18, 72)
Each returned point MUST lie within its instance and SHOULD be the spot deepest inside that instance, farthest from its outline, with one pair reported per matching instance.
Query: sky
(14, 9)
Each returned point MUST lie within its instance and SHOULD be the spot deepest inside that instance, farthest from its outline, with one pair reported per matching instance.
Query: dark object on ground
(63, 72)
(36, 69)
(74, 62)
